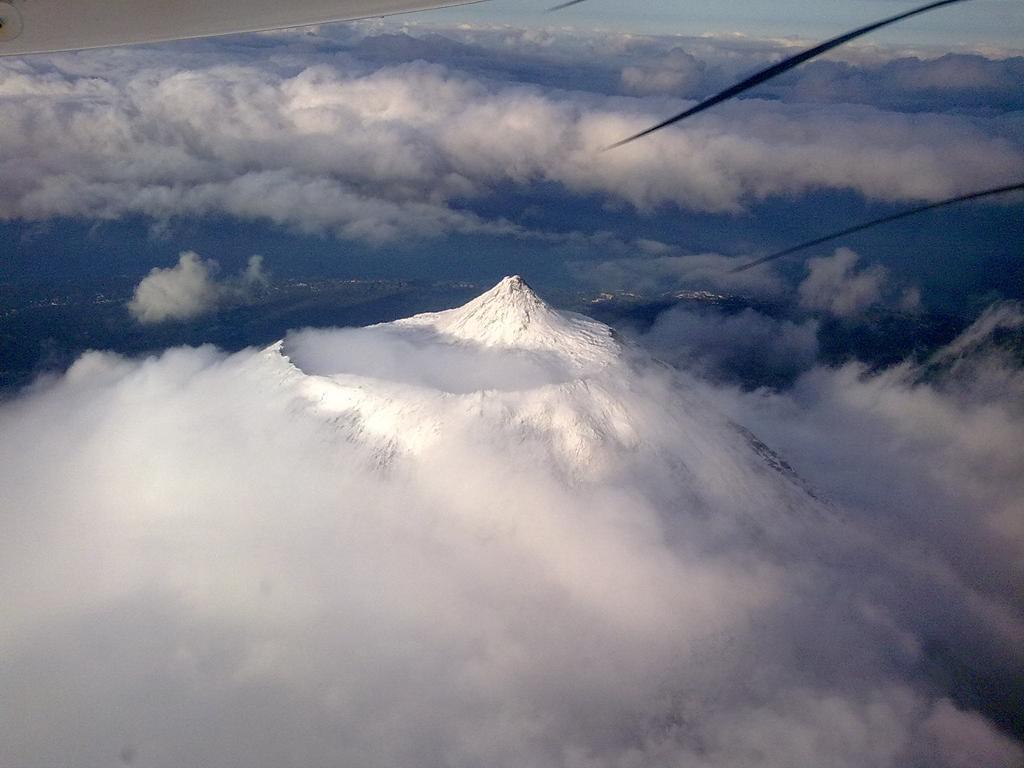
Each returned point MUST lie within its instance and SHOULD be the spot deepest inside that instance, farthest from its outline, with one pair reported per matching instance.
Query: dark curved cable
(560, 6)
(884, 220)
(777, 69)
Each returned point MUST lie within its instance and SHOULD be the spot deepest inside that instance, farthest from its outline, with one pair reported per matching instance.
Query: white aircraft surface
(45, 26)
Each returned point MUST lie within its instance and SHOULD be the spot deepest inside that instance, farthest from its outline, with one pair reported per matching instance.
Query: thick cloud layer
(930, 450)
(363, 142)
(232, 561)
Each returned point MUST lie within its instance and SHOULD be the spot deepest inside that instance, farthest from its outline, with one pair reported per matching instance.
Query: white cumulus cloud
(190, 289)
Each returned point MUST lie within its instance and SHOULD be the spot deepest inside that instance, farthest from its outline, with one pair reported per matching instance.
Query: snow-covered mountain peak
(508, 370)
(506, 315)
(511, 315)
(513, 285)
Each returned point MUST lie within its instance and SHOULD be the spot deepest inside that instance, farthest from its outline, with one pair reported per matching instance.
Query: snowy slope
(512, 316)
(509, 371)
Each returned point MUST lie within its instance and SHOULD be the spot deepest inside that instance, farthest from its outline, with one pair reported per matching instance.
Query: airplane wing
(42, 26)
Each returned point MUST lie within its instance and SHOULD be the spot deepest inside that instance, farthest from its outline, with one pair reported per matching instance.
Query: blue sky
(975, 23)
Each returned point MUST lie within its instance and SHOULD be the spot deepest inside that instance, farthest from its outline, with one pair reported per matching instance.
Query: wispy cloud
(835, 285)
